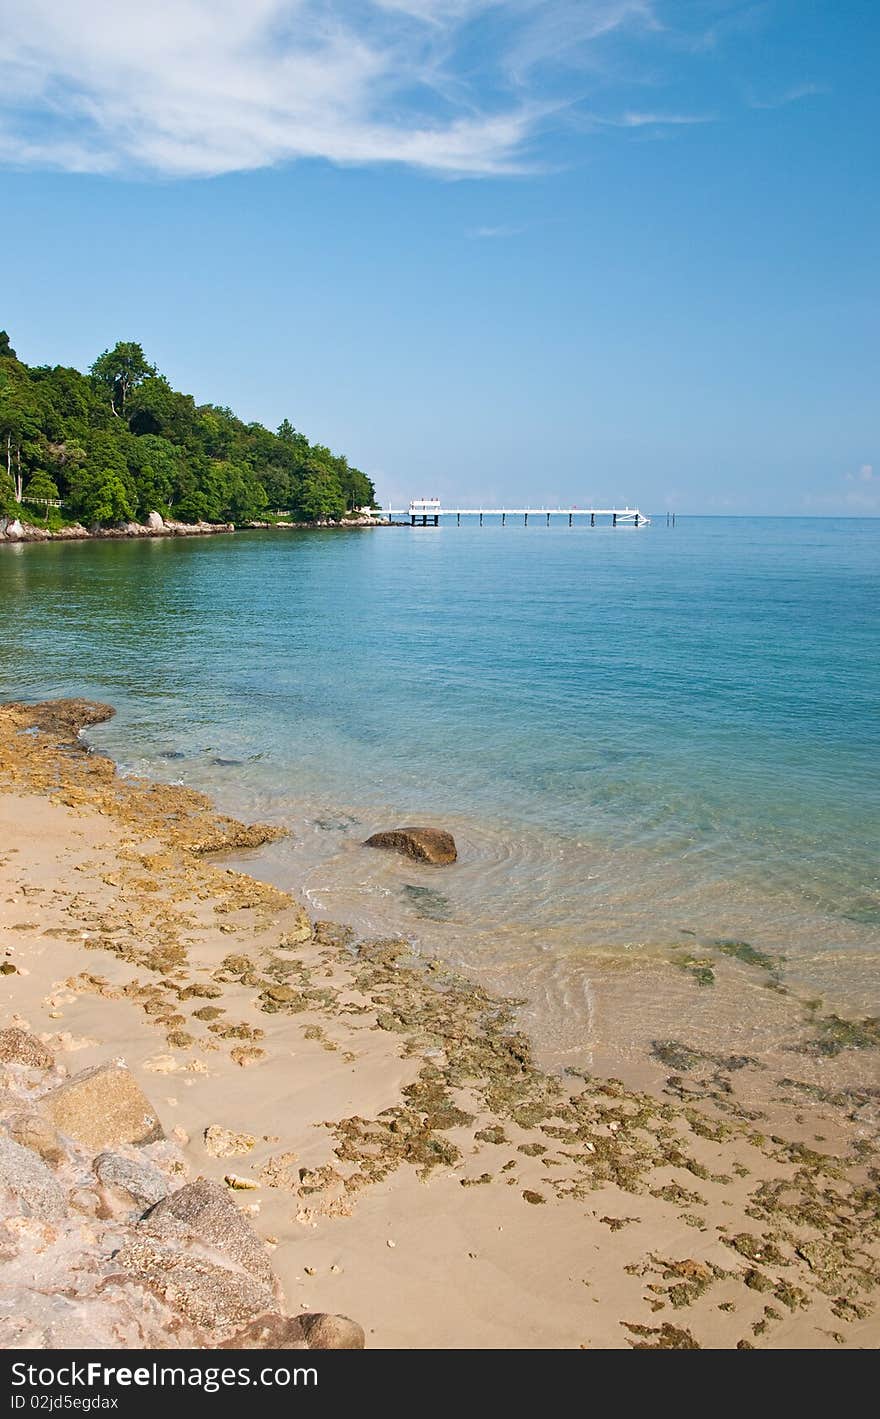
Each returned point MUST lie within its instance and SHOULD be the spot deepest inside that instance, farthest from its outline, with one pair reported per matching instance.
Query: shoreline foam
(406, 1147)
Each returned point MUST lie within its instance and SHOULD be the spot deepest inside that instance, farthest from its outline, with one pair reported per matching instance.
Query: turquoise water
(640, 739)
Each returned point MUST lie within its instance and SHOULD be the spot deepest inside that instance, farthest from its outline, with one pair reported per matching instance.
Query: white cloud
(201, 87)
(862, 495)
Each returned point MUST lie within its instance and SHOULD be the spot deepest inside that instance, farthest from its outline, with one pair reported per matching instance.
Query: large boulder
(433, 845)
(204, 1211)
(214, 1297)
(102, 1107)
(28, 1183)
(155, 523)
(197, 1251)
(138, 1181)
(19, 1047)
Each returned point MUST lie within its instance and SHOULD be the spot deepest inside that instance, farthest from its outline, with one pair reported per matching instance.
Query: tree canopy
(120, 442)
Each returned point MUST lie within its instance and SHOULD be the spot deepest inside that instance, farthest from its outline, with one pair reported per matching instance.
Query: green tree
(155, 408)
(120, 371)
(101, 498)
(153, 465)
(19, 426)
(319, 494)
(40, 488)
(122, 441)
(8, 504)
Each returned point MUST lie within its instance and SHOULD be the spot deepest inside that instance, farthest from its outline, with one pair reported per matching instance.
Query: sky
(522, 252)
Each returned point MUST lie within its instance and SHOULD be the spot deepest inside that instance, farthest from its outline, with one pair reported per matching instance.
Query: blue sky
(524, 251)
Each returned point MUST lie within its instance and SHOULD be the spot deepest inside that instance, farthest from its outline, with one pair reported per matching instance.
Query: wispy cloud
(197, 88)
(492, 233)
(558, 32)
(656, 120)
(787, 96)
(188, 88)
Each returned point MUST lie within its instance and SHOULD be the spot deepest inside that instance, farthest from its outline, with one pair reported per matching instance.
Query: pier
(427, 512)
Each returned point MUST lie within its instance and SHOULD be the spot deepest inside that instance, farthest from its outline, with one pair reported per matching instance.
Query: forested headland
(118, 443)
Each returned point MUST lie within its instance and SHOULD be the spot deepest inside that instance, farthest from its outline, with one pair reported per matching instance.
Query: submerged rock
(19, 1047)
(102, 1107)
(433, 845)
(64, 718)
(428, 903)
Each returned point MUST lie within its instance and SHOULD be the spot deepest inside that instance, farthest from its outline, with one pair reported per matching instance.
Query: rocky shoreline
(382, 1120)
(15, 531)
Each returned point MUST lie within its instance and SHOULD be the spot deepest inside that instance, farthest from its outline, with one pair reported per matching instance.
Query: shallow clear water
(642, 740)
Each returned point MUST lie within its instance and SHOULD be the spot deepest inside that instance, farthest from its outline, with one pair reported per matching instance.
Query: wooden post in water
(503, 519)
(481, 519)
(569, 519)
(592, 519)
(614, 519)
(526, 520)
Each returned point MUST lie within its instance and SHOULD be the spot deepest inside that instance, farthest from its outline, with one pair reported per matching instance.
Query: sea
(658, 749)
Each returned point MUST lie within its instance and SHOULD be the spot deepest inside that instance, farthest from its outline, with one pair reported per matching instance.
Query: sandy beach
(380, 1120)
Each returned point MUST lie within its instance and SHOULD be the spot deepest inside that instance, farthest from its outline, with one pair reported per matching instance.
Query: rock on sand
(102, 1107)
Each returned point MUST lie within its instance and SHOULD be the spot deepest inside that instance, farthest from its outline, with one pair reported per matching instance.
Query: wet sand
(412, 1166)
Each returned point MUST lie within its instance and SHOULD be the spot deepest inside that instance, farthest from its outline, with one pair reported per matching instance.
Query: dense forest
(119, 443)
